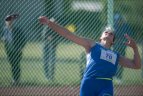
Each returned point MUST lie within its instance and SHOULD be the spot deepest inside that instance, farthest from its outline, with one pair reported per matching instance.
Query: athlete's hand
(43, 20)
(130, 41)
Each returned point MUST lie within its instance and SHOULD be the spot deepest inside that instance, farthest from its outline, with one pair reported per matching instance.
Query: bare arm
(86, 43)
(136, 62)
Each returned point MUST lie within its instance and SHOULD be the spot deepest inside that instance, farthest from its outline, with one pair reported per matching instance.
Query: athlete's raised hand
(130, 41)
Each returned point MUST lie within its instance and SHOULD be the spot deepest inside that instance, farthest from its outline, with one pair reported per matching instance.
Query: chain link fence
(40, 62)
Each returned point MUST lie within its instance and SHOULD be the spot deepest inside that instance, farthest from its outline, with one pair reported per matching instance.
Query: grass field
(67, 71)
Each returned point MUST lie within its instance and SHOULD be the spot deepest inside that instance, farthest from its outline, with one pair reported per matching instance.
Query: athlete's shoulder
(91, 44)
(95, 44)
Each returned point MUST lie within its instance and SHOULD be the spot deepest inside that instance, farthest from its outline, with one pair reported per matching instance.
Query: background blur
(82, 17)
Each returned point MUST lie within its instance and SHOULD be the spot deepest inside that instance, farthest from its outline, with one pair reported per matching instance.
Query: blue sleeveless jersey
(101, 62)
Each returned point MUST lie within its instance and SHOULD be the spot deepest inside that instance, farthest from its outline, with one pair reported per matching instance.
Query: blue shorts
(96, 87)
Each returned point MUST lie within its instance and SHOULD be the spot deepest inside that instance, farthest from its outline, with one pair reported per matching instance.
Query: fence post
(110, 12)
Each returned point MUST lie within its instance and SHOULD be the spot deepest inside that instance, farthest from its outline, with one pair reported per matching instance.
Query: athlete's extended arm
(86, 43)
(136, 62)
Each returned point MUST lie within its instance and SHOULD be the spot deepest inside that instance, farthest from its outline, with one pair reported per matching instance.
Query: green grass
(33, 74)
(67, 73)
(131, 76)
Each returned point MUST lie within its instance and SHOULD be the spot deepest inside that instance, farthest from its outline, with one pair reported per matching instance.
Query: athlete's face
(107, 35)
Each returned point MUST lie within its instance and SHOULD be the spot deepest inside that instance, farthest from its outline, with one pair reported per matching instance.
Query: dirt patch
(133, 90)
(129, 90)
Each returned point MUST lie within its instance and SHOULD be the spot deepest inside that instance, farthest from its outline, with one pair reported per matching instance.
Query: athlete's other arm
(126, 62)
(86, 43)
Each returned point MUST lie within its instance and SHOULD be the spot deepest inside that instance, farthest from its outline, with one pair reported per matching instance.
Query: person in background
(14, 42)
(49, 51)
(101, 62)
(121, 27)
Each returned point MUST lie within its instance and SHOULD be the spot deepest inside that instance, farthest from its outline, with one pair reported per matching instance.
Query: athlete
(101, 61)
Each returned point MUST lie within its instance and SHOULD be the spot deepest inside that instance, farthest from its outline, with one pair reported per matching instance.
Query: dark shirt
(49, 36)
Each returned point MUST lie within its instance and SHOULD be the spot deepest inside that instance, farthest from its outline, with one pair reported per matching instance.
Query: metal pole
(110, 12)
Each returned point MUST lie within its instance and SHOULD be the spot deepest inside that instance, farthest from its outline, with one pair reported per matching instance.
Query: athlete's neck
(105, 44)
